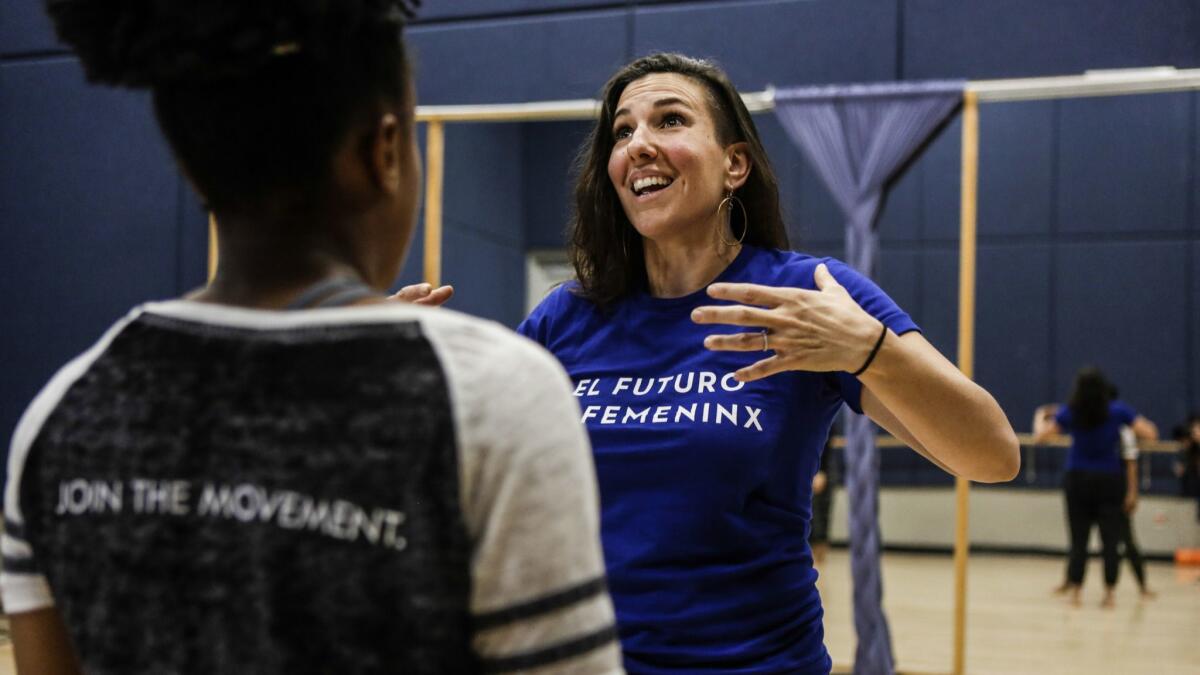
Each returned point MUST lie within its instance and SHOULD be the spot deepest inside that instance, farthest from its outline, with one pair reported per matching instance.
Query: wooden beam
(966, 359)
(212, 247)
(435, 155)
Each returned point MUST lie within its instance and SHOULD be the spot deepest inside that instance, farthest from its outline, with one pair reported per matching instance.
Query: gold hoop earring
(731, 200)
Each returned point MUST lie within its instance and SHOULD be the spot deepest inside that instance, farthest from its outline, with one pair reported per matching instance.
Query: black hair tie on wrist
(874, 350)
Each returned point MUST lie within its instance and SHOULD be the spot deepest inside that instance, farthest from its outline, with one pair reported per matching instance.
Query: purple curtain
(857, 137)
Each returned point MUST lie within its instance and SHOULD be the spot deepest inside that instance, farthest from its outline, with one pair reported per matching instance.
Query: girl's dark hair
(254, 96)
(1090, 396)
(604, 248)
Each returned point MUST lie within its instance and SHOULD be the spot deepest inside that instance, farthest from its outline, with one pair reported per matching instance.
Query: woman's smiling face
(667, 163)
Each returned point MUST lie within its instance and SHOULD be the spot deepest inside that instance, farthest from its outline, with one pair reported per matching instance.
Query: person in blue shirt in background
(709, 361)
(1101, 486)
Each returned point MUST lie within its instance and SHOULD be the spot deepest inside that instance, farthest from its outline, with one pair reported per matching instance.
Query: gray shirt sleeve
(528, 492)
(1129, 443)
(23, 587)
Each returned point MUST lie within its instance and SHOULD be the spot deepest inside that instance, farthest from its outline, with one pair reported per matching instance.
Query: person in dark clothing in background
(822, 506)
(1129, 455)
(1187, 466)
(1096, 491)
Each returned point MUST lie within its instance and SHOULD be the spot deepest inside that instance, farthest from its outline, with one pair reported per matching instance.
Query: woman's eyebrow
(660, 103)
(674, 100)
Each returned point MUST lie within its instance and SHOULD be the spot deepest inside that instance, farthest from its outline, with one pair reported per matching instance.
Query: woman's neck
(676, 269)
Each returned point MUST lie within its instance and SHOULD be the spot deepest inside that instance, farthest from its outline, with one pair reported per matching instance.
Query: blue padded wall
(1190, 308)
(1124, 165)
(488, 277)
(941, 169)
(903, 210)
(483, 186)
(90, 206)
(1194, 142)
(1027, 38)
(1107, 312)
(1191, 303)
(25, 27)
(939, 299)
(529, 59)
(549, 149)
(1016, 179)
(435, 10)
(1013, 317)
(785, 42)
(483, 220)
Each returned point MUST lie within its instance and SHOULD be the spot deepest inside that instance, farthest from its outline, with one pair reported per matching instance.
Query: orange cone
(1187, 556)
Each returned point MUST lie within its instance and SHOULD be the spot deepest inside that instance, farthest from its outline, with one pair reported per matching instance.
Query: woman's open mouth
(650, 185)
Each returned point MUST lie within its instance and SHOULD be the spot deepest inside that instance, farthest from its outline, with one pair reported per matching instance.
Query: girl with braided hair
(284, 472)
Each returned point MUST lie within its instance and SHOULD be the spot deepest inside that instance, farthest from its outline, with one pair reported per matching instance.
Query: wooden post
(966, 357)
(435, 151)
(212, 247)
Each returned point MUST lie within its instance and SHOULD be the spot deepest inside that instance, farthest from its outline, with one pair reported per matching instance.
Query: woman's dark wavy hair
(604, 248)
(1090, 395)
(254, 96)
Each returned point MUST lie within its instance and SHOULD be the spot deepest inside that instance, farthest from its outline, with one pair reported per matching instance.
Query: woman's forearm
(953, 418)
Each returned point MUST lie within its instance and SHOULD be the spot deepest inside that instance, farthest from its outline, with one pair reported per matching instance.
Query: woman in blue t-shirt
(709, 361)
(1101, 485)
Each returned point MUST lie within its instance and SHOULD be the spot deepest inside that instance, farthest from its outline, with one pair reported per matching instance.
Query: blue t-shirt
(1099, 448)
(705, 482)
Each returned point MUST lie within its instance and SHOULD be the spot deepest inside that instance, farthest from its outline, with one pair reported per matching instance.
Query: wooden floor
(1014, 623)
(6, 655)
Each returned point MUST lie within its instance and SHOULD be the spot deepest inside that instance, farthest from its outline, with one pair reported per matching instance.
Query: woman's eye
(623, 132)
(673, 120)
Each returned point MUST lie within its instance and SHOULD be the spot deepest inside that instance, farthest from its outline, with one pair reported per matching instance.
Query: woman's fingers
(819, 330)
(423, 294)
(437, 296)
(411, 293)
(737, 315)
(764, 368)
(737, 342)
(823, 278)
(751, 294)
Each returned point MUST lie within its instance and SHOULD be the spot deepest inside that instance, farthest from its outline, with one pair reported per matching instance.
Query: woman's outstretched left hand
(820, 330)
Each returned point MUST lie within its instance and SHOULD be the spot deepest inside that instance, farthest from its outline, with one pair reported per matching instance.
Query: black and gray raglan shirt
(370, 489)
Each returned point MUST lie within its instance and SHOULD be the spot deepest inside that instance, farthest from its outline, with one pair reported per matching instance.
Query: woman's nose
(641, 144)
